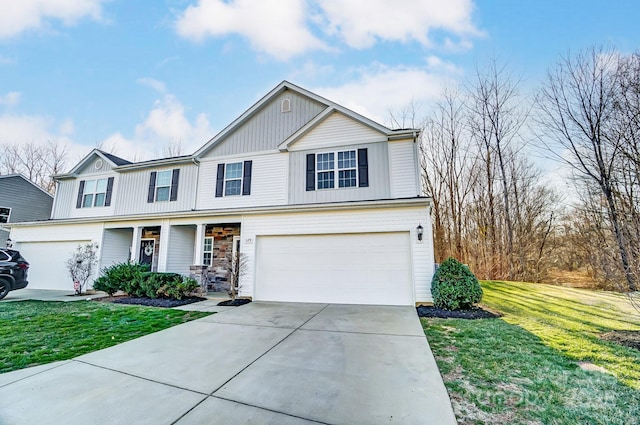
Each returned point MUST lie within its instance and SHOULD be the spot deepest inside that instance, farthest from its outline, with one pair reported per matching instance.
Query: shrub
(454, 286)
(178, 289)
(120, 277)
(137, 281)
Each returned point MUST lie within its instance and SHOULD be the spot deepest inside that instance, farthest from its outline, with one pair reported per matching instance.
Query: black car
(13, 271)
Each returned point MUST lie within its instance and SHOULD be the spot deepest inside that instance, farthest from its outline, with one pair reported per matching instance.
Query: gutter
(275, 209)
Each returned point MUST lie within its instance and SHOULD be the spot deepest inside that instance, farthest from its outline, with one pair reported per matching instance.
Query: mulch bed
(627, 338)
(150, 302)
(234, 303)
(475, 313)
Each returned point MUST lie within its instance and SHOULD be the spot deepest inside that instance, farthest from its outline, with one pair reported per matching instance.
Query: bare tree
(35, 161)
(578, 110)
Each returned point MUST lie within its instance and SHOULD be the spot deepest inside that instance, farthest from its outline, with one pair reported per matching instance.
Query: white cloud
(41, 130)
(382, 89)
(10, 99)
(157, 85)
(25, 15)
(166, 124)
(275, 27)
(361, 23)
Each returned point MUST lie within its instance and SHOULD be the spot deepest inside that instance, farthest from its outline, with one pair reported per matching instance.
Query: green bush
(454, 286)
(178, 289)
(120, 277)
(137, 281)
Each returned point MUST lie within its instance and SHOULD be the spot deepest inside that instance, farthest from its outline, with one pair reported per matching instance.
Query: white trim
(336, 169)
(7, 215)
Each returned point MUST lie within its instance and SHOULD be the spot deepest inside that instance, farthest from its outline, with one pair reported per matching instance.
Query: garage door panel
(47, 260)
(338, 268)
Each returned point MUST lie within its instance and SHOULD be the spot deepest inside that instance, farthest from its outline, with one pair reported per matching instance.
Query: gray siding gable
(27, 201)
(268, 126)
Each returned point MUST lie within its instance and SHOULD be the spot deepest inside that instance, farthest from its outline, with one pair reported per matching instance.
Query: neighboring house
(324, 204)
(21, 200)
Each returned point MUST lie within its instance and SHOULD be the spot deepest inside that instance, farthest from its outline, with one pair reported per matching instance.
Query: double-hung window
(5, 213)
(163, 185)
(95, 193)
(347, 169)
(207, 250)
(340, 169)
(326, 170)
(233, 179)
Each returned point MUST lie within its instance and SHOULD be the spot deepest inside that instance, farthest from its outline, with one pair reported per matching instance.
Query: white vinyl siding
(402, 162)
(337, 130)
(268, 183)
(181, 242)
(133, 191)
(90, 167)
(378, 170)
(116, 245)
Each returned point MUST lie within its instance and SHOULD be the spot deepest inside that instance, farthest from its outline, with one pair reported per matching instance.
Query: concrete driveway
(263, 363)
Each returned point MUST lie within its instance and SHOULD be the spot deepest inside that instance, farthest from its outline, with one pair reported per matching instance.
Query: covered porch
(206, 251)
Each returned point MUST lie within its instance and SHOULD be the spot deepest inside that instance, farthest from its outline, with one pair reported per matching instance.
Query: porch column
(135, 244)
(163, 253)
(199, 245)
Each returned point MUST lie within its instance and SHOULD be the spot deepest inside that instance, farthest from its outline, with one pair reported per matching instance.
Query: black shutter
(107, 196)
(80, 195)
(246, 178)
(220, 181)
(152, 187)
(311, 171)
(363, 168)
(175, 176)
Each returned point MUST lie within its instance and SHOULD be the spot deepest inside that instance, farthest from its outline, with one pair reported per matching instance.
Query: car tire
(4, 288)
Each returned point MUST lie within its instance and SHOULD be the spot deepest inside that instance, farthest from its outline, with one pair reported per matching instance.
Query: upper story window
(95, 193)
(349, 168)
(5, 213)
(163, 185)
(234, 179)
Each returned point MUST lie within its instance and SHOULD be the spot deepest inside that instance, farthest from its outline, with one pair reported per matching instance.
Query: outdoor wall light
(420, 231)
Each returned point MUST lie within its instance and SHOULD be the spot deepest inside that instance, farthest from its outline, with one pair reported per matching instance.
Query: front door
(147, 247)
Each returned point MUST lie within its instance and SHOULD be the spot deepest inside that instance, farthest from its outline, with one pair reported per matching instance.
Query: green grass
(37, 332)
(522, 369)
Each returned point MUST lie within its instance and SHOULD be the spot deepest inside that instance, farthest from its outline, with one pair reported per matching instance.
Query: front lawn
(523, 368)
(38, 332)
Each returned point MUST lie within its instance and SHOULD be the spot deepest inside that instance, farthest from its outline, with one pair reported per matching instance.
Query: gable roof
(115, 161)
(20, 176)
(286, 85)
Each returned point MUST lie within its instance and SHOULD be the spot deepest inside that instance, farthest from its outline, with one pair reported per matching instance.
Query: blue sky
(134, 76)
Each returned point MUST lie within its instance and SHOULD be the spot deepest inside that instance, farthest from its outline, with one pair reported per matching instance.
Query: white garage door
(47, 260)
(372, 268)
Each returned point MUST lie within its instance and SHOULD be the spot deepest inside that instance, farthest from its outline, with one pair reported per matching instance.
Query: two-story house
(21, 200)
(323, 203)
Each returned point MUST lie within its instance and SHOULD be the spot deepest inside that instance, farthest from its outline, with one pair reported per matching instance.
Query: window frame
(233, 179)
(205, 251)
(8, 215)
(334, 172)
(94, 194)
(164, 186)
